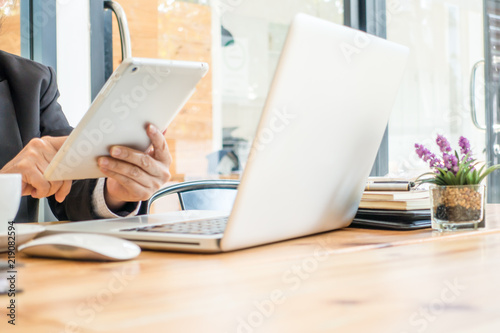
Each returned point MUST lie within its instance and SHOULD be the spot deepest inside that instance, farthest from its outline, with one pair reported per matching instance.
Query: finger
(40, 149)
(151, 151)
(27, 189)
(130, 171)
(137, 158)
(32, 176)
(40, 186)
(54, 187)
(138, 191)
(160, 147)
(63, 191)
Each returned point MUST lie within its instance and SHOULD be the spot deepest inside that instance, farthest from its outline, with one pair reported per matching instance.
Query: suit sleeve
(78, 204)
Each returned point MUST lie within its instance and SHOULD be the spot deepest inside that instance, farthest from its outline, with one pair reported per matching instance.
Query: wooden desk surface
(351, 280)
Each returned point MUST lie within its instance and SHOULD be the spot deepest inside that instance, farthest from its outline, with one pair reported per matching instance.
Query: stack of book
(396, 200)
(393, 205)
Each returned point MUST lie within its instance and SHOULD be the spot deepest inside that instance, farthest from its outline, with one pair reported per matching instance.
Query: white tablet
(139, 92)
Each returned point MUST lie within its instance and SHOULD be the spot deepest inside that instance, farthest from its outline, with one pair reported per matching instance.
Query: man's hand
(134, 175)
(31, 163)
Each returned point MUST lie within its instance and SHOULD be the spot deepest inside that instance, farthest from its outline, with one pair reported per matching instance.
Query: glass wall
(241, 40)
(10, 34)
(445, 38)
(253, 35)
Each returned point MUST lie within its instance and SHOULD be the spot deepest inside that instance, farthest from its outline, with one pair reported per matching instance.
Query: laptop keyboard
(202, 227)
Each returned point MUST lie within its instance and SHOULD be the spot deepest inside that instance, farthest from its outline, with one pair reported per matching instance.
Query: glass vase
(458, 207)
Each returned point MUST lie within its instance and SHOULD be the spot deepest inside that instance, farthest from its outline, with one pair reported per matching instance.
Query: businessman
(33, 128)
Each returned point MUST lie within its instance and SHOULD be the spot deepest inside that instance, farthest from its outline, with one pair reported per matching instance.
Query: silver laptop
(318, 136)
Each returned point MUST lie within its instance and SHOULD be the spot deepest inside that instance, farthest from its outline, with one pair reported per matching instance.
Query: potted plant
(457, 195)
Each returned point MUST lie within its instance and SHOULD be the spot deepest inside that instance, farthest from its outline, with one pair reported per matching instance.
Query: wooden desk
(351, 280)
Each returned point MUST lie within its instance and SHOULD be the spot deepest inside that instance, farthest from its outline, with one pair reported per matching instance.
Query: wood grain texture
(351, 280)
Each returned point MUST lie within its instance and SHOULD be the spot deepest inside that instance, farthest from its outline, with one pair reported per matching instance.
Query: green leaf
(463, 176)
(476, 177)
(488, 171)
(422, 180)
(449, 178)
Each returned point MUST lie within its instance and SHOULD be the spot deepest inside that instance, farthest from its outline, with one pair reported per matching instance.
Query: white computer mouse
(81, 246)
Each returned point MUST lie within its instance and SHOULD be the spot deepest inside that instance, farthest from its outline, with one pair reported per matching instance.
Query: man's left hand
(134, 175)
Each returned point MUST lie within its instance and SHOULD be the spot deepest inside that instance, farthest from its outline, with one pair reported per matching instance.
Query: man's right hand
(31, 163)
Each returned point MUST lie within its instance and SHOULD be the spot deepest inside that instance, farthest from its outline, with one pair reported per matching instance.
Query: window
(445, 38)
(10, 35)
(253, 35)
(241, 41)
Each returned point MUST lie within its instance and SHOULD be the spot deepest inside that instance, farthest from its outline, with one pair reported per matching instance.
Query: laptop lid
(319, 133)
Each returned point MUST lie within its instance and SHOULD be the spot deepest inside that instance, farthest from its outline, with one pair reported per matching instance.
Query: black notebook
(392, 219)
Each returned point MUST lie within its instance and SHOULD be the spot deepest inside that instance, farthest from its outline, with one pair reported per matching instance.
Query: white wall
(73, 57)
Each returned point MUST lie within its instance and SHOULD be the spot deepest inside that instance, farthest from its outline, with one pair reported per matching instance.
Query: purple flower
(435, 162)
(454, 164)
(447, 161)
(443, 144)
(422, 152)
(426, 155)
(465, 149)
(464, 145)
(451, 163)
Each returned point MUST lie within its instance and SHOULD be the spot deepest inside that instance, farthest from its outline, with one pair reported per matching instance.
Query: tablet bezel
(92, 137)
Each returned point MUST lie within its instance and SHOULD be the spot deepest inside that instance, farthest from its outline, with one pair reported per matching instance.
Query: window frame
(39, 31)
(365, 15)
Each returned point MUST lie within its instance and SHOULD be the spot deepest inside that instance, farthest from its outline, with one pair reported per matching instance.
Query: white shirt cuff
(99, 203)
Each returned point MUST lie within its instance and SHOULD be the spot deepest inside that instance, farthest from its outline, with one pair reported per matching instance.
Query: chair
(199, 195)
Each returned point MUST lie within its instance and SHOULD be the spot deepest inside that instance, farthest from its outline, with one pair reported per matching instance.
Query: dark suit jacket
(29, 109)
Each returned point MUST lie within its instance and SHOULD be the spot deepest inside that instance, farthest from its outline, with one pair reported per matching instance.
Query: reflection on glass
(445, 40)
(258, 29)
(241, 40)
(10, 33)
(177, 30)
